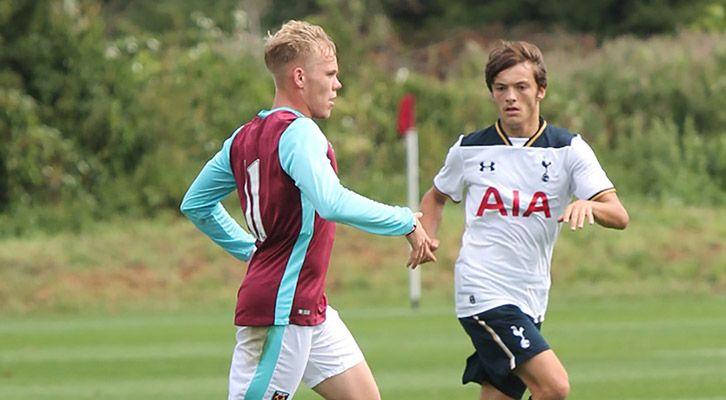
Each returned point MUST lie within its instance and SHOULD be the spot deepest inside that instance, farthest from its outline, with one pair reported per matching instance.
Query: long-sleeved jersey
(285, 174)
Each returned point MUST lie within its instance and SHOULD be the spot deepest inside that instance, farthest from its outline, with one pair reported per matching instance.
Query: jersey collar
(505, 138)
(265, 113)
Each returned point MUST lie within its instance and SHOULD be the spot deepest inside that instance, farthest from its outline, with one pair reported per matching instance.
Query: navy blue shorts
(503, 337)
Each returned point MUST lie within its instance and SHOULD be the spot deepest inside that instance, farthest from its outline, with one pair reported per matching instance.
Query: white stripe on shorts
(498, 340)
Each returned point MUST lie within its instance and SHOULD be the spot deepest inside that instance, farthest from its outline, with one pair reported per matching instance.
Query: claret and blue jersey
(285, 174)
(516, 188)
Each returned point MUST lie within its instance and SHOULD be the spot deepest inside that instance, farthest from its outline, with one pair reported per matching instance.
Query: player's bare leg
(545, 376)
(489, 392)
(357, 383)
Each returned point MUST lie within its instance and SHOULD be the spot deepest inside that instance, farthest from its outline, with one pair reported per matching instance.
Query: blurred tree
(170, 20)
(70, 115)
(419, 18)
(107, 108)
(280, 11)
(712, 18)
(254, 10)
(605, 18)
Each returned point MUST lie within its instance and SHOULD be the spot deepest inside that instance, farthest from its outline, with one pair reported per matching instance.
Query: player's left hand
(420, 244)
(433, 246)
(576, 213)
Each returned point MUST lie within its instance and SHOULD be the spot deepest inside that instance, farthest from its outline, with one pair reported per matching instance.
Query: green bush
(659, 106)
(100, 120)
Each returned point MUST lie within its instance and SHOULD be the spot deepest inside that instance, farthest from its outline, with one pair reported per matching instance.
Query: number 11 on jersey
(252, 194)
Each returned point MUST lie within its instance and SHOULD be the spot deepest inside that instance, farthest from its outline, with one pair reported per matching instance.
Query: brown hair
(510, 54)
(294, 40)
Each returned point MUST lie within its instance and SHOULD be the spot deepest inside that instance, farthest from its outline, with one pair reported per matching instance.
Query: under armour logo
(519, 332)
(545, 176)
(490, 167)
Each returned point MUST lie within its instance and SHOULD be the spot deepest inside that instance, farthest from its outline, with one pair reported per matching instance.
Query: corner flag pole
(407, 129)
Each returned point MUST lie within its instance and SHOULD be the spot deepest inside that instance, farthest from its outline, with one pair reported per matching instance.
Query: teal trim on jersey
(266, 366)
(288, 284)
(265, 113)
(202, 205)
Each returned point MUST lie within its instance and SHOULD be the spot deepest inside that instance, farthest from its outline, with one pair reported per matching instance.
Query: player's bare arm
(432, 206)
(420, 242)
(606, 210)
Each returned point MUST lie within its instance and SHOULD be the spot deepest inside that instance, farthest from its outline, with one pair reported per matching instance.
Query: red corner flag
(406, 114)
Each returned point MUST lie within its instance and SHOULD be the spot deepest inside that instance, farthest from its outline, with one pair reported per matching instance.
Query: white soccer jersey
(514, 195)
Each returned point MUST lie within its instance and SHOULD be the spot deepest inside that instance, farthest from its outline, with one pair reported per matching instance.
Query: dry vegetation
(166, 263)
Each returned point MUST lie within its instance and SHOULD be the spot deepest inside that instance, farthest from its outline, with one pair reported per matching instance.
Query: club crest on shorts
(280, 395)
(519, 332)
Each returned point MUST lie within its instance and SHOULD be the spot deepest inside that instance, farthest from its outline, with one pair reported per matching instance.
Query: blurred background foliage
(109, 108)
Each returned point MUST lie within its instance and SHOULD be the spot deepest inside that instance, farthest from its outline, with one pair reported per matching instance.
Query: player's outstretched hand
(576, 213)
(421, 245)
(432, 246)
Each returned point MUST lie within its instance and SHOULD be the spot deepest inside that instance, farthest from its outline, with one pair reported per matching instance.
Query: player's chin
(323, 114)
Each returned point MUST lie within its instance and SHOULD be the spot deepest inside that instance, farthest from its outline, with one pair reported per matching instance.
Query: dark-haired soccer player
(519, 176)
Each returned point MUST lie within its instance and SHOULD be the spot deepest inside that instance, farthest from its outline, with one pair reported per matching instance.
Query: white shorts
(269, 362)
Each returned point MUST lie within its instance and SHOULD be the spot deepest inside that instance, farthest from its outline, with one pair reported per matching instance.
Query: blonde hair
(295, 40)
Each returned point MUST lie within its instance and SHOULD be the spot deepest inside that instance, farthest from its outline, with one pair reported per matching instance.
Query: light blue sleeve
(303, 155)
(202, 205)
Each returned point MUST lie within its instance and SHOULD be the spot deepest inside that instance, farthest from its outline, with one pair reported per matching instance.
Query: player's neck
(525, 129)
(285, 99)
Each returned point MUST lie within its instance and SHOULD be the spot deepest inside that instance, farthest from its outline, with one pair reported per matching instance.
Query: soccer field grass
(622, 349)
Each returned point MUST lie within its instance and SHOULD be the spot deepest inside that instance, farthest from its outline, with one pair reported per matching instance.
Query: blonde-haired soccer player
(285, 174)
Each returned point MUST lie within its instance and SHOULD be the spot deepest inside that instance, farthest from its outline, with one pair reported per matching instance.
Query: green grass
(654, 348)
(143, 310)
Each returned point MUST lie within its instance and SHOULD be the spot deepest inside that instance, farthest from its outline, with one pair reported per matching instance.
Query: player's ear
(541, 92)
(298, 77)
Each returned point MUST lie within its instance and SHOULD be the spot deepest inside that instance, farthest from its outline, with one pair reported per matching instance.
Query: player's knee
(562, 390)
(558, 390)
